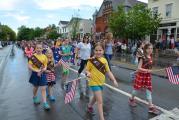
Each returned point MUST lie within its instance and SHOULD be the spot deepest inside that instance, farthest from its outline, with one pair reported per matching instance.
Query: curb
(4, 60)
(118, 65)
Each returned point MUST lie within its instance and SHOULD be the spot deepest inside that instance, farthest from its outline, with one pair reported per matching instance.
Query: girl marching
(38, 65)
(143, 78)
(56, 50)
(29, 50)
(50, 74)
(65, 52)
(96, 69)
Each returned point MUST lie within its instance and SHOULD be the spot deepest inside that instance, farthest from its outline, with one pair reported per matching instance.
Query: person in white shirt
(83, 52)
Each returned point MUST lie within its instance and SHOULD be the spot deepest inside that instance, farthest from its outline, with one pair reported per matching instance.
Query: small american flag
(173, 74)
(64, 64)
(70, 91)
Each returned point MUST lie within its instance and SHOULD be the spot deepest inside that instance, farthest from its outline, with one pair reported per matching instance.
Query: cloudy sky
(33, 13)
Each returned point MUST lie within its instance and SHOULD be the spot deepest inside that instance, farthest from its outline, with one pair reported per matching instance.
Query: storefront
(168, 30)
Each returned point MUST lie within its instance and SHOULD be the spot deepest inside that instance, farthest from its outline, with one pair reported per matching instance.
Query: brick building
(100, 18)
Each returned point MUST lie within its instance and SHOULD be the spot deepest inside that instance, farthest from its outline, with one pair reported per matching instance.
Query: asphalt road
(16, 97)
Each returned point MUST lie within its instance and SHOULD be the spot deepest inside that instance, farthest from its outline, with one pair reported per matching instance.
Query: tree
(138, 22)
(7, 33)
(52, 32)
(38, 32)
(118, 22)
(74, 27)
(53, 35)
(25, 33)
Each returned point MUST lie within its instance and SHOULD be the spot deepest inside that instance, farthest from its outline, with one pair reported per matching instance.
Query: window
(169, 10)
(155, 11)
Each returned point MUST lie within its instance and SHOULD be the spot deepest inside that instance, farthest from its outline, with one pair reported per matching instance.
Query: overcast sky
(33, 13)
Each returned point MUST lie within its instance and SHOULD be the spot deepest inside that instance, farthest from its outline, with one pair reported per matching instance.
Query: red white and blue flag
(173, 74)
(64, 64)
(70, 91)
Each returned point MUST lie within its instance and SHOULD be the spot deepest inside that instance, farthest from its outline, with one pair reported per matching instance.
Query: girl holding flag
(38, 65)
(66, 53)
(96, 69)
(50, 73)
(143, 78)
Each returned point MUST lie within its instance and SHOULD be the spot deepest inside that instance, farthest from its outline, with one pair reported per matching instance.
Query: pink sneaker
(132, 102)
(90, 110)
(154, 110)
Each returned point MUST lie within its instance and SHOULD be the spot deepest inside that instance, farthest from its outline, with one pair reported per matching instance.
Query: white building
(84, 27)
(63, 28)
(169, 26)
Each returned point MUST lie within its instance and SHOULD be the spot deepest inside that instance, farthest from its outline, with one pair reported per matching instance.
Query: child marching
(96, 69)
(29, 50)
(38, 65)
(56, 50)
(65, 52)
(143, 78)
(50, 74)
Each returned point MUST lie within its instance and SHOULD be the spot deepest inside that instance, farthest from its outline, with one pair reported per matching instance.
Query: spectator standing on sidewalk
(108, 46)
(124, 48)
(172, 41)
(157, 46)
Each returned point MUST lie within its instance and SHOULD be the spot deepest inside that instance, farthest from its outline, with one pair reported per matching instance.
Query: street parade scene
(89, 60)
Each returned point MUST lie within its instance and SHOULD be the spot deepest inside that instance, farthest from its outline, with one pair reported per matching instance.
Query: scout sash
(50, 66)
(36, 62)
(99, 65)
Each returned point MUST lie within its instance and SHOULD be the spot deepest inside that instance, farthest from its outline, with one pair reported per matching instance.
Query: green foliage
(25, 33)
(6, 33)
(74, 27)
(53, 35)
(38, 32)
(52, 32)
(135, 24)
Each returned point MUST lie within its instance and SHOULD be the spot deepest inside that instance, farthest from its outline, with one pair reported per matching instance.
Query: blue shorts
(96, 88)
(38, 81)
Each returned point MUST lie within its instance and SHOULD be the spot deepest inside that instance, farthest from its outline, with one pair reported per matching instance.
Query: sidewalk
(172, 115)
(130, 66)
